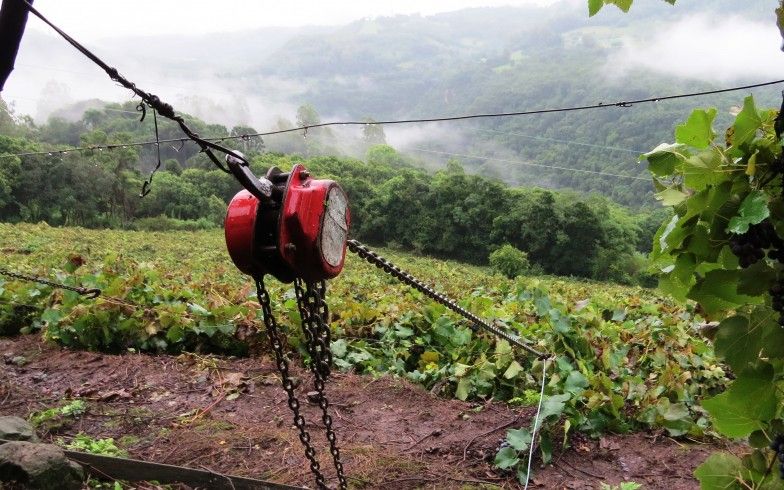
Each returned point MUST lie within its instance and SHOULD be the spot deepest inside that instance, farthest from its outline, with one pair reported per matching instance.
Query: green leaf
(175, 334)
(751, 166)
(737, 342)
(719, 472)
(718, 291)
(198, 310)
(506, 458)
(546, 447)
(554, 405)
(621, 4)
(697, 131)
(780, 19)
(461, 369)
(758, 439)
(704, 169)
(747, 123)
(463, 387)
(749, 401)
(671, 196)
(753, 210)
(575, 383)
(503, 353)
(339, 347)
(756, 279)
(594, 6)
(519, 439)
(664, 159)
(513, 370)
(51, 315)
(680, 279)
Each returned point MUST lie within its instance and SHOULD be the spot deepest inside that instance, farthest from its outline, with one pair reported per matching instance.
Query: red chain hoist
(294, 228)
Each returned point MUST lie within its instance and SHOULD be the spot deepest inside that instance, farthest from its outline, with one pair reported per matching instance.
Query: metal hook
(143, 109)
(145, 188)
(91, 293)
(182, 145)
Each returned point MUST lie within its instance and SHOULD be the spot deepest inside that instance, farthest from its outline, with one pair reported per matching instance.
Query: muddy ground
(231, 416)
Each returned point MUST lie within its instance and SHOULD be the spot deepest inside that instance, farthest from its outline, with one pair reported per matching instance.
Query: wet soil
(231, 416)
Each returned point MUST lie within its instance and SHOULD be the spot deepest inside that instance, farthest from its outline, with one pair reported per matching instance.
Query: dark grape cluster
(777, 299)
(751, 247)
(778, 446)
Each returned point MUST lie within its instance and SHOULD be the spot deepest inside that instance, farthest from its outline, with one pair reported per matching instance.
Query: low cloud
(706, 47)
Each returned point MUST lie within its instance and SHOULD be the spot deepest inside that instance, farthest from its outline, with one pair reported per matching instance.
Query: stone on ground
(16, 429)
(38, 466)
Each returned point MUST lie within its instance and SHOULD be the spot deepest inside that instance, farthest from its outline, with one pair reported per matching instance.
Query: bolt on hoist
(295, 228)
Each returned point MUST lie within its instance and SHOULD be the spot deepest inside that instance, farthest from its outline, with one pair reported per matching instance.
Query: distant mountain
(482, 60)
(511, 59)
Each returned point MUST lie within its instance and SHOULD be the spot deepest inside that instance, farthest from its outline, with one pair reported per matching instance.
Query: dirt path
(231, 416)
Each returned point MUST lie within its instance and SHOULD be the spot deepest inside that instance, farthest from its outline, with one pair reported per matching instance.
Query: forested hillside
(447, 64)
(447, 214)
(531, 59)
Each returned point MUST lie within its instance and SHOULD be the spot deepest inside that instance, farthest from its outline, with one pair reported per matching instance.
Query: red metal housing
(301, 232)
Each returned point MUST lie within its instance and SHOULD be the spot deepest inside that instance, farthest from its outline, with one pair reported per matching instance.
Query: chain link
(372, 257)
(91, 293)
(315, 324)
(288, 385)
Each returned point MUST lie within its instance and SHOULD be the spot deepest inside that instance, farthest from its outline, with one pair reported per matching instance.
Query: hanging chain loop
(372, 257)
(90, 293)
(315, 325)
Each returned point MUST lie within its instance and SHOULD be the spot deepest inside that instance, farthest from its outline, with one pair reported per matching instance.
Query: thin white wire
(536, 424)
(520, 162)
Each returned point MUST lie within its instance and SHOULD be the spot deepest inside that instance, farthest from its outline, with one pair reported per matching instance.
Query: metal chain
(283, 367)
(315, 324)
(91, 293)
(320, 354)
(403, 276)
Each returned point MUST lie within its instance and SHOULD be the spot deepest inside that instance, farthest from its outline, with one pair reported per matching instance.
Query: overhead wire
(600, 105)
(439, 119)
(207, 144)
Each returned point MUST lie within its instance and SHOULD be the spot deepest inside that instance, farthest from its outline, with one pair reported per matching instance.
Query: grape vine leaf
(506, 458)
(756, 279)
(339, 347)
(704, 169)
(697, 131)
(663, 159)
(737, 342)
(463, 386)
(719, 472)
(518, 438)
(671, 196)
(747, 122)
(680, 280)
(594, 6)
(554, 405)
(749, 401)
(575, 383)
(513, 370)
(753, 210)
(718, 291)
(780, 20)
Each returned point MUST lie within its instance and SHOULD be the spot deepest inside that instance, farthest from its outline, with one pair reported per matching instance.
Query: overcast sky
(95, 19)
